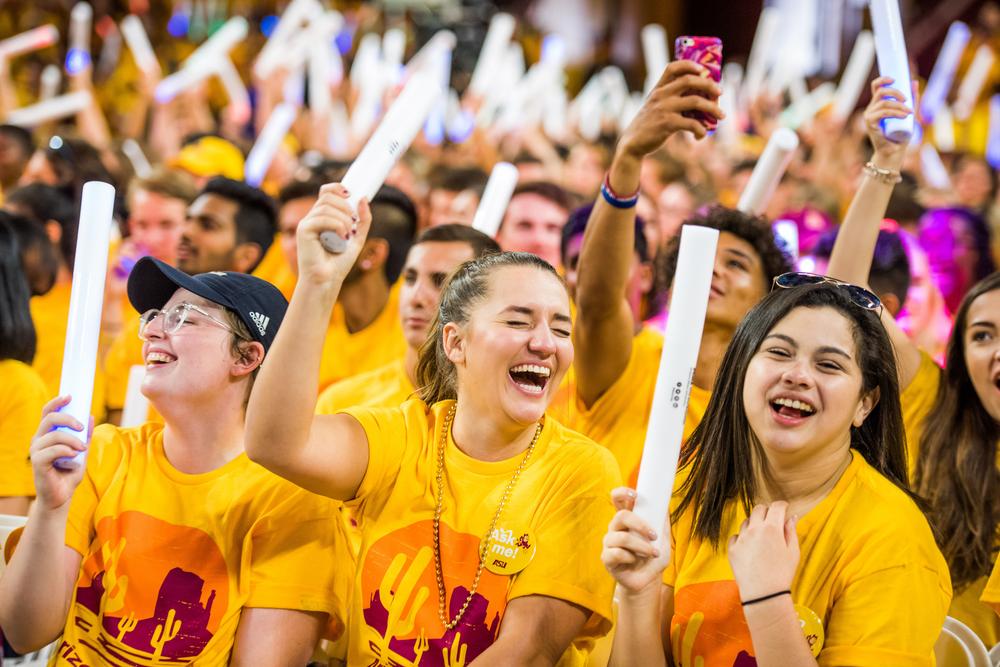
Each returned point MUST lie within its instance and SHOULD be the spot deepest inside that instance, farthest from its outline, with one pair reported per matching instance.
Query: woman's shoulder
(20, 377)
(588, 457)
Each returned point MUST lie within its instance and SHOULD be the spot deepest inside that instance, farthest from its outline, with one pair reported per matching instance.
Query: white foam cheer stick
(138, 43)
(80, 20)
(50, 80)
(768, 171)
(140, 163)
(973, 82)
(390, 140)
(86, 300)
(763, 39)
(655, 53)
(944, 130)
(135, 412)
(681, 342)
(933, 169)
(51, 109)
(852, 81)
(493, 53)
(496, 196)
(31, 40)
(262, 153)
(236, 90)
(204, 62)
(944, 70)
(291, 22)
(890, 49)
(993, 137)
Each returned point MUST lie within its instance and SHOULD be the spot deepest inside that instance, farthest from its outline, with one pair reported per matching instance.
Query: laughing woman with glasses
(952, 417)
(168, 543)
(795, 540)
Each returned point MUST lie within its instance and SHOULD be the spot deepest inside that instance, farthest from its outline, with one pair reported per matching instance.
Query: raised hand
(633, 552)
(886, 103)
(765, 553)
(54, 486)
(331, 213)
(684, 86)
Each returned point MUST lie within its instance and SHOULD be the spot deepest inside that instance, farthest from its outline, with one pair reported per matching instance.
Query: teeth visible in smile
(795, 405)
(532, 368)
(158, 357)
(530, 388)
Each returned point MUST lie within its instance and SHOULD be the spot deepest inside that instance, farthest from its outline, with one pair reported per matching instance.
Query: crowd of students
(424, 450)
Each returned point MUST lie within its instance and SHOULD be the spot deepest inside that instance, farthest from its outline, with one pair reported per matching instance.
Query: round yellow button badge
(812, 628)
(509, 552)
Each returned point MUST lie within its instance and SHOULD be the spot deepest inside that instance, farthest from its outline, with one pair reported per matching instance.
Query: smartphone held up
(707, 52)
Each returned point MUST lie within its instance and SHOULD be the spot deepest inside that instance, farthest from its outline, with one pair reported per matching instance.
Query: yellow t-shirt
(869, 570)
(384, 387)
(274, 268)
(22, 395)
(991, 593)
(618, 419)
(50, 314)
(560, 507)
(916, 401)
(171, 559)
(348, 354)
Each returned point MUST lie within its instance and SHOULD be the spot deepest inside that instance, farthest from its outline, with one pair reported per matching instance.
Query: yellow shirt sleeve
(386, 429)
(104, 455)
(22, 395)
(916, 401)
(991, 594)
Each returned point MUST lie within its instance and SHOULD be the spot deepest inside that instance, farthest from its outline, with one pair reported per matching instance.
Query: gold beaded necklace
(485, 543)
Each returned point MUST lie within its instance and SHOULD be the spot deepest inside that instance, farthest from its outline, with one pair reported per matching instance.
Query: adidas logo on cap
(261, 321)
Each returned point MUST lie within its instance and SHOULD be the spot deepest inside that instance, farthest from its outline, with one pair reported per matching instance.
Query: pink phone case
(706, 51)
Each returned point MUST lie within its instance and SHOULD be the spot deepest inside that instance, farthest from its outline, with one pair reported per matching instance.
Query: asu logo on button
(509, 552)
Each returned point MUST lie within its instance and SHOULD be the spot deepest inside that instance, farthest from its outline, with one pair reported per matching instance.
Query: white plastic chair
(995, 655)
(36, 659)
(959, 646)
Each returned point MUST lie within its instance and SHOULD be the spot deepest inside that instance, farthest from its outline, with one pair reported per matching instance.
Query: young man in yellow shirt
(364, 332)
(534, 220)
(436, 253)
(168, 543)
(228, 227)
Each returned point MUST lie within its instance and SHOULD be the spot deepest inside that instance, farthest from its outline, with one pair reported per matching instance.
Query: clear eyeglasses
(174, 318)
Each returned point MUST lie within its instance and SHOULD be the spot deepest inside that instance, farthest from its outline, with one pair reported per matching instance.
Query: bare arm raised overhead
(851, 258)
(325, 454)
(604, 326)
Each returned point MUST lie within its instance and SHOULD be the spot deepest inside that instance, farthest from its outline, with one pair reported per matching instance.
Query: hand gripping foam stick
(85, 303)
(681, 341)
(80, 21)
(138, 43)
(944, 70)
(890, 49)
(26, 42)
(973, 82)
(768, 171)
(389, 141)
(855, 75)
(135, 412)
(496, 196)
(260, 156)
(51, 109)
(492, 54)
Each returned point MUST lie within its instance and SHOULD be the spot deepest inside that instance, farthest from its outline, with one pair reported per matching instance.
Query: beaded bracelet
(614, 199)
(766, 597)
(887, 176)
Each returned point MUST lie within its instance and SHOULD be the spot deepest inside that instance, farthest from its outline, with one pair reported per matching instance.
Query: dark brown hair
(723, 448)
(956, 466)
(467, 286)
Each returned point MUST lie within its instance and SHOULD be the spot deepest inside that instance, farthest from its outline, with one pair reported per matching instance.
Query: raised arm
(324, 454)
(851, 259)
(37, 587)
(604, 326)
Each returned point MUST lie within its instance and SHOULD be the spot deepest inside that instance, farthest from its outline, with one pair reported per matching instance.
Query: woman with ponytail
(481, 519)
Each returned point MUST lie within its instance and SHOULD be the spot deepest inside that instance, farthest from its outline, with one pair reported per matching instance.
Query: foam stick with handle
(655, 53)
(50, 80)
(973, 82)
(943, 74)
(80, 20)
(492, 54)
(855, 75)
(681, 342)
(389, 141)
(763, 40)
(768, 171)
(31, 40)
(51, 109)
(135, 412)
(890, 49)
(138, 43)
(496, 196)
(86, 300)
(260, 156)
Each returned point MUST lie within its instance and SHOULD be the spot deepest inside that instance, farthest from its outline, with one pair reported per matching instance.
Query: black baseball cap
(257, 302)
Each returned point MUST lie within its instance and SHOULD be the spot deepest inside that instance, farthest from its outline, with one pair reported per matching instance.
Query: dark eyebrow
(524, 310)
(740, 253)
(829, 349)
(983, 323)
(787, 339)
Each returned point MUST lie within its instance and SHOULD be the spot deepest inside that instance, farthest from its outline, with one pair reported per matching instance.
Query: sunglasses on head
(859, 296)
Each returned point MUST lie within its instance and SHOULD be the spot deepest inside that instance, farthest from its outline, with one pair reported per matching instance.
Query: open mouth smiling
(530, 378)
